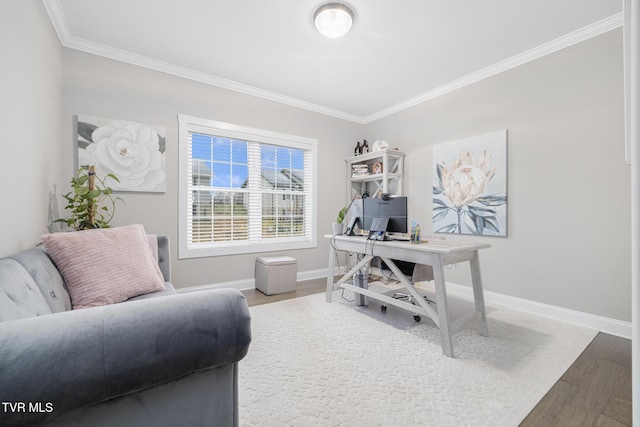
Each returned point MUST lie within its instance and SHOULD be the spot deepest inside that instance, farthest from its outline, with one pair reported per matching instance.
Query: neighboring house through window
(244, 189)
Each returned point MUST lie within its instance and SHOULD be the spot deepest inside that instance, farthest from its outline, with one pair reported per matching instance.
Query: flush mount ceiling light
(333, 19)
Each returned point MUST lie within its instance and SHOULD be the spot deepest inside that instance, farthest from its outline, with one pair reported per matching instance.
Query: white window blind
(244, 190)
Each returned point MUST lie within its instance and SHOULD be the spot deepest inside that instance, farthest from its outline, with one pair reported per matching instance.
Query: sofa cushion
(105, 266)
(20, 297)
(168, 291)
(47, 277)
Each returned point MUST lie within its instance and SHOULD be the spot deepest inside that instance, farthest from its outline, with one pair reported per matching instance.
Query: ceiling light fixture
(333, 19)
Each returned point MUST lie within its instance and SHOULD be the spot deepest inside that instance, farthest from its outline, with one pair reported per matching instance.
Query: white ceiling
(397, 54)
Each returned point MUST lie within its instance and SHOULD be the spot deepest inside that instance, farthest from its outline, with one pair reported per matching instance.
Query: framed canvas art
(133, 152)
(470, 185)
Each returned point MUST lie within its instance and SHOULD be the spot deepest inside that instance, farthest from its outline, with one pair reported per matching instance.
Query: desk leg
(332, 257)
(478, 294)
(441, 299)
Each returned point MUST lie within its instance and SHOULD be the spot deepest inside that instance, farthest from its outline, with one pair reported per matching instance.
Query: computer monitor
(356, 213)
(394, 208)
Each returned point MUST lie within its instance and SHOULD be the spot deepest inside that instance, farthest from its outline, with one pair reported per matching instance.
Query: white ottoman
(276, 275)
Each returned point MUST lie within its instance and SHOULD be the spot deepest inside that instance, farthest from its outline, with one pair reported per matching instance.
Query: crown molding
(68, 40)
(198, 76)
(57, 19)
(560, 43)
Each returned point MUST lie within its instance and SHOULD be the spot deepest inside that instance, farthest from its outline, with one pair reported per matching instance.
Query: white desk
(434, 253)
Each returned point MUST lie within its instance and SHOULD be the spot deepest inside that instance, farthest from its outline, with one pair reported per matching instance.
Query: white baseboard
(610, 326)
(593, 321)
(241, 285)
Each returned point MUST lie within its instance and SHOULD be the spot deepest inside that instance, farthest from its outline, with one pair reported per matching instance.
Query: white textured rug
(317, 364)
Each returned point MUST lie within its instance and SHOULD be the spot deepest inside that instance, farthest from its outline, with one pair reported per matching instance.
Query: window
(244, 190)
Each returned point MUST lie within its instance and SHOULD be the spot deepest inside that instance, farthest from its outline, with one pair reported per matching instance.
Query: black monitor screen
(395, 208)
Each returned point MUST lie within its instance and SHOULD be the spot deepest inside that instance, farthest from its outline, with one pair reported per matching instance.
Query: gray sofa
(161, 359)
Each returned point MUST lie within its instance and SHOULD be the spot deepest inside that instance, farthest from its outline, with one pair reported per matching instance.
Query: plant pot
(337, 228)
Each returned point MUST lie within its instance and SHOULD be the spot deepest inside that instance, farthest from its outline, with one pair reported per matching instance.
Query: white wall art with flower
(133, 152)
(470, 185)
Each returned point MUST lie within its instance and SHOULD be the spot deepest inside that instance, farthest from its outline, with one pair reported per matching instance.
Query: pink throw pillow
(105, 266)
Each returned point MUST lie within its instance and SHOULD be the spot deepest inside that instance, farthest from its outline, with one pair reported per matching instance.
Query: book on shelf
(359, 170)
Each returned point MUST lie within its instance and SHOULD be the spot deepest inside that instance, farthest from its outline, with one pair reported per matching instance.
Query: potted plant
(337, 226)
(90, 202)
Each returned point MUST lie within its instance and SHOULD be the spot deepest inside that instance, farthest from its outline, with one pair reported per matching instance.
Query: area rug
(312, 363)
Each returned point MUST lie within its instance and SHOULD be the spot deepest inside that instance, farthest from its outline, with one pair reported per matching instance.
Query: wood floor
(595, 390)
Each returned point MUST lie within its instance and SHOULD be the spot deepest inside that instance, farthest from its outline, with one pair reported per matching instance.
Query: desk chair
(414, 273)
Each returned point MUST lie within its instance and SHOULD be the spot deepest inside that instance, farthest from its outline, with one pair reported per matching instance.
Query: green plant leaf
(341, 215)
(113, 177)
(93, 194)
(82, 202)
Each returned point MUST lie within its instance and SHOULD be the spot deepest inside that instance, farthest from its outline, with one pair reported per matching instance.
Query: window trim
(187, 124)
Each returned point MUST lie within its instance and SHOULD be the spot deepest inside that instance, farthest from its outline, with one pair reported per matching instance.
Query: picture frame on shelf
(376, 168)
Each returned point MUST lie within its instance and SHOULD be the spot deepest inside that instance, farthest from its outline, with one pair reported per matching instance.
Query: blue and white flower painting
(133, 152)
(470, 185)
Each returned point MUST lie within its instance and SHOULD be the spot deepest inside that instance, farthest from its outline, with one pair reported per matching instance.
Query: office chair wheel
(383, 308)
(416, 317)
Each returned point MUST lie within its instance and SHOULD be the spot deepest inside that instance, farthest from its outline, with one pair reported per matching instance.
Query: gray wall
(569, 186)
(98, 86)
(30, 122)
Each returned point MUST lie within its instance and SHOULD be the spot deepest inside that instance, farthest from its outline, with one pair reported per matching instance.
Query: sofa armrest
(164, 257)
(79, 358)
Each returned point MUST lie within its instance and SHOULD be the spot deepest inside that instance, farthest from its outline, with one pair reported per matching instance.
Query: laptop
(378, 228)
